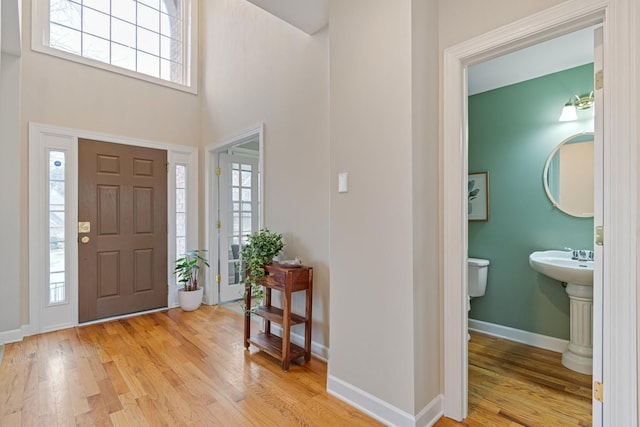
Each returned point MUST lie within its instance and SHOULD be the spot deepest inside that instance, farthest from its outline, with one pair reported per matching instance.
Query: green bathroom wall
(512, 131)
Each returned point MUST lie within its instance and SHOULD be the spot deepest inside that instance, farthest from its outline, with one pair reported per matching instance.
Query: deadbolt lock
(84, 227)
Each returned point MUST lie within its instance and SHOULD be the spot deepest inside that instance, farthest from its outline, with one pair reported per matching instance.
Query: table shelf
(286, 280)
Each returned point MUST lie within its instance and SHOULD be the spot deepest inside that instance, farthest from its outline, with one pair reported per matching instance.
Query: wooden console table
(286, 280)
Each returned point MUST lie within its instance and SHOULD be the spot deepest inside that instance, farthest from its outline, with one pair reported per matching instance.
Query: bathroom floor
(513, 384)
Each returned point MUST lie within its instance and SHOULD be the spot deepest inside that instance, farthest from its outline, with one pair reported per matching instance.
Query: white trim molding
(619, 372)
(45, 318)
(525, 337)
(381, 410)
(210, 193)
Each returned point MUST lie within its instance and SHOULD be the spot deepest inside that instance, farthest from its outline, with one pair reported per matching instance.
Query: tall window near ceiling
(151, 38)
(57, 265)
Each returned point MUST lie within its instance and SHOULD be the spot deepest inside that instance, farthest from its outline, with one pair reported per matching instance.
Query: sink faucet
(581, 254)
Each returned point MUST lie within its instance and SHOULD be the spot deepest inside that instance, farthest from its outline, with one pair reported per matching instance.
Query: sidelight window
(57, 225)
(181, 209)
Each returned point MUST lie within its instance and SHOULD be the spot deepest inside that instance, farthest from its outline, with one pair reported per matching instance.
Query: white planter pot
(191, 300)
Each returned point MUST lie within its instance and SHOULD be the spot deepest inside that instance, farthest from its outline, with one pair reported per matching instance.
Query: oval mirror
(568, 175)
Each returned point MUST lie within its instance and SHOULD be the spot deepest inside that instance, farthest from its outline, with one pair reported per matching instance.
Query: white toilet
(477, 271)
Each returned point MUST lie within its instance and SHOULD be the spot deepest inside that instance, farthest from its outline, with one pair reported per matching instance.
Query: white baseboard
(14, 335)
(542, 341)
(381, 410)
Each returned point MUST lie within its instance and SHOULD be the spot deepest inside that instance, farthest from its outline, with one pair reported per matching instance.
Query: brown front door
(123, 256)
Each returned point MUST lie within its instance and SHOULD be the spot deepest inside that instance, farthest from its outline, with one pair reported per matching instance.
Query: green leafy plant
(188, 267)
(260, 249)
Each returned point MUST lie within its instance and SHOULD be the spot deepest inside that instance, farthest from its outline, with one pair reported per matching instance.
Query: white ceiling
(555, 55)
(308, 15)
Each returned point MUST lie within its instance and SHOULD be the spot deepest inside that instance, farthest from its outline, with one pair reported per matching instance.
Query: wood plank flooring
(512, 384)
(176, 369)
(168, 368)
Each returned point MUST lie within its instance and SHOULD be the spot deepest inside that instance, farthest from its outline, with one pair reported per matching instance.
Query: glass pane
(235, 178)
(148, 18)
(56, 288)
(246, 223)
(56, 165)
(148, 64)
(236, 206)
(171, 27)
(246, 195)
(95, 48)
(66, 39)
(149, 42)
(171, 49)
(165, 69)
(181, 244)
(123, 32)
(180, 200)
(236, 224)
(246, 207)
(246, 179)
(95, 23)
(66, 13)
(124, 9)
(246, 167)
(101, 5)
(181, 174)
(181, 224)
(123, 56)
(56, 261)
(235, 194)
(152, 3)
(234, 273)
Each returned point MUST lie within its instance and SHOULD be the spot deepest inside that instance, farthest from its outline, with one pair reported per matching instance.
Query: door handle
(85, 239)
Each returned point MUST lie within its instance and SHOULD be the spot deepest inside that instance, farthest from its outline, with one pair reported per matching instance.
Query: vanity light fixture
(576, 103)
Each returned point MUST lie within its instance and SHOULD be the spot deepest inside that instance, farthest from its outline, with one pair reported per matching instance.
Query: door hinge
(599, 235)
(218, 224)
(218, 171)
(218, 278)
(598, 391)
(599, 80)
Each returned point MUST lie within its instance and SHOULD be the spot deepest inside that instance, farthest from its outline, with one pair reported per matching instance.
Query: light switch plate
(343, 182)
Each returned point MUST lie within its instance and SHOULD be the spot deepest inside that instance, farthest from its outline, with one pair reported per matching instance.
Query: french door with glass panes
(238, 218)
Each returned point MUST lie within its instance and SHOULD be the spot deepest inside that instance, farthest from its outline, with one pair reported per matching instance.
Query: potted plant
(187, 269)
(260, 249)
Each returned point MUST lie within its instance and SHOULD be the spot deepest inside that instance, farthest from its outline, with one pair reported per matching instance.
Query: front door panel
(123, 256)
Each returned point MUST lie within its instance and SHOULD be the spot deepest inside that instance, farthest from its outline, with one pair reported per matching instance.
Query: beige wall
(257, 68)
(10, 214)
(372, 224)
(63, 93)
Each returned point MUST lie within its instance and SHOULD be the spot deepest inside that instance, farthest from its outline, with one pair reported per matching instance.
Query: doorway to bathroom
(515, 129)
(615, 307)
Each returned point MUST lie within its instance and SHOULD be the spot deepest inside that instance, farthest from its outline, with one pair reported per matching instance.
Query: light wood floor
(174, 368)
(163, 369)
(512, 384)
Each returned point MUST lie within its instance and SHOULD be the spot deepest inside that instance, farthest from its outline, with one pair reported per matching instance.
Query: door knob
(85, 239)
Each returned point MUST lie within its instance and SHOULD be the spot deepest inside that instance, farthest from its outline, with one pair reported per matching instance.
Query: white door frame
(619, 373)
(211, 199)
(42, 316)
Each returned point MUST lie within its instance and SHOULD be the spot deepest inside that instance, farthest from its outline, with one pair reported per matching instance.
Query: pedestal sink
(578, 275)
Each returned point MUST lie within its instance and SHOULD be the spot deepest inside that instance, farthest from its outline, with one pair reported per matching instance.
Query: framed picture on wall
(478, 192)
